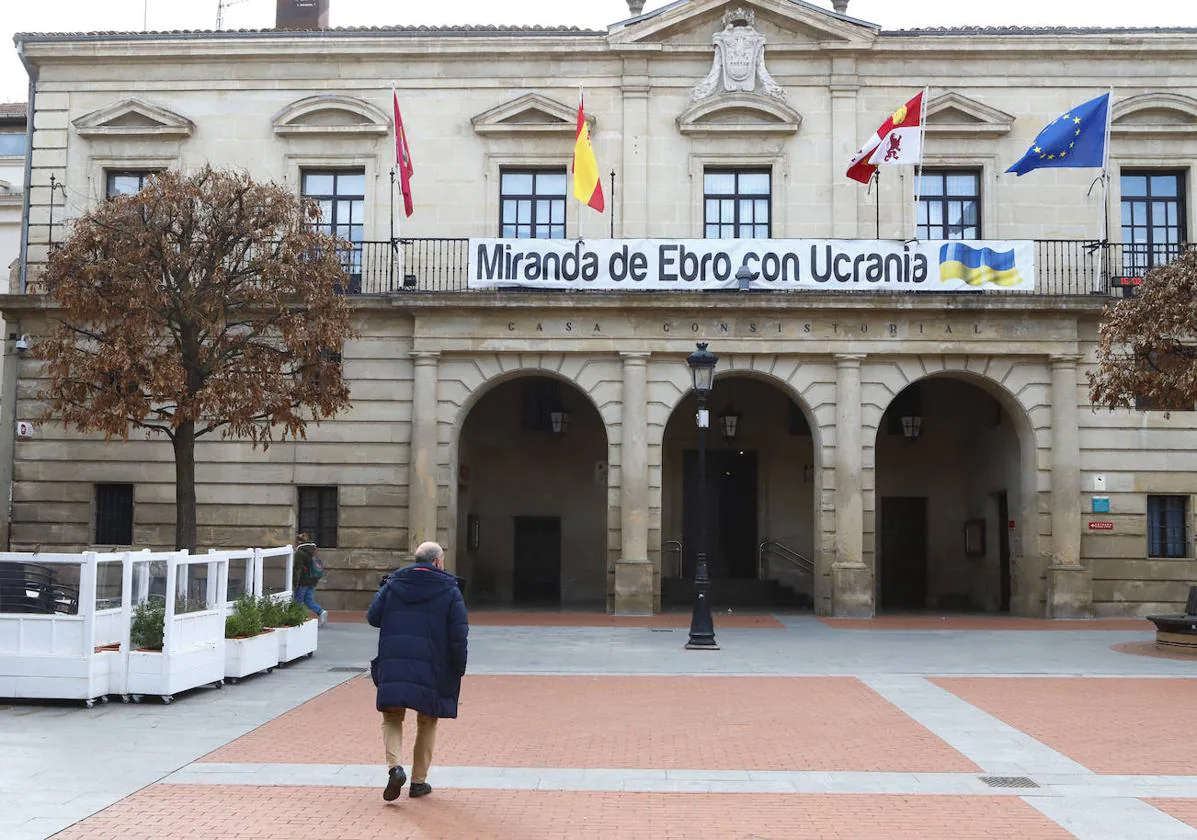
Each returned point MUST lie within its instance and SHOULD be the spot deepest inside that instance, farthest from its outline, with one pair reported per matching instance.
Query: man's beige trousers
(392, 738)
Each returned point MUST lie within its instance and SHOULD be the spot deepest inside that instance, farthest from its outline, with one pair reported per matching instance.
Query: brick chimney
(301, 14)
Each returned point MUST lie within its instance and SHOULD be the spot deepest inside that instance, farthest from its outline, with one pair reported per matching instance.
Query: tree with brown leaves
(1146, 347)
(206, 302)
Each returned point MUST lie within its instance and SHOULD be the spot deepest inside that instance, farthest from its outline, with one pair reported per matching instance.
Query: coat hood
(420, 582)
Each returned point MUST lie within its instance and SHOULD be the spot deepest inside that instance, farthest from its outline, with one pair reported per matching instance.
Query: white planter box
(166, 674)
(243, 657)
(294, 642)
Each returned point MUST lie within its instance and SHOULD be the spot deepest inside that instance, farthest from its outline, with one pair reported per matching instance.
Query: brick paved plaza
(576, 726)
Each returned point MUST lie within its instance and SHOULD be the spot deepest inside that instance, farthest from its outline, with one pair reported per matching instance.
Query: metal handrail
(667, 546)
(774, 548)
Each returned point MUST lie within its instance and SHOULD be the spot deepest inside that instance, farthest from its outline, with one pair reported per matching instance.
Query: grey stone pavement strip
(996, 747)
(1085, 785)
(1111, 819)
(60, 763)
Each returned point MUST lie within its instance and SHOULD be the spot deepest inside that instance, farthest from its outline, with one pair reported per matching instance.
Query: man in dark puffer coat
(423, 629)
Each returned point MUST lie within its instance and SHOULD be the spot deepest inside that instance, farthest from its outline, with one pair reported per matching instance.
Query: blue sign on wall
(1101, 504)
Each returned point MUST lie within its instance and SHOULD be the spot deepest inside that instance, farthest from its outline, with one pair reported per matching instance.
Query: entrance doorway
(730, 514)
(903, 560)
(537, 574)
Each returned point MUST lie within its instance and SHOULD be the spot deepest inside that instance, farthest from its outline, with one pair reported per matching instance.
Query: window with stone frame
(341, 196)
(1153, 218)
(949, 204)
(114, 514)
(1167, 526)
(737, 203)
(532, 203)
(126, 181)
(318, 515)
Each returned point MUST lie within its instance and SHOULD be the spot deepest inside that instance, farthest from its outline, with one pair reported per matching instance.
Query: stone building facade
(719, 120)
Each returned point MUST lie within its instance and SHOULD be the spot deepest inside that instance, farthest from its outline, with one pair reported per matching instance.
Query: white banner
(784, 264)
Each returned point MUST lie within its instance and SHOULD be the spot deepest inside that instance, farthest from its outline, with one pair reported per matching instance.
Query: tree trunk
(184, 445)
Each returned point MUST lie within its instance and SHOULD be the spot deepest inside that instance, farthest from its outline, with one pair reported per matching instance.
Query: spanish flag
(588, 189)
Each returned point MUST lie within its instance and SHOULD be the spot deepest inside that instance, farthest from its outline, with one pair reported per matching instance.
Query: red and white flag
(898, 141)
(402, 157)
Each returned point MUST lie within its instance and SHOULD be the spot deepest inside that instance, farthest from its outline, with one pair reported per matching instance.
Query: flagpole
(612, 203)
(1103, 268)
(877, 201)
(918, 168)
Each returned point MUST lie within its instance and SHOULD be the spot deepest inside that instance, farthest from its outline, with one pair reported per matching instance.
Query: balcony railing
(1063, 267)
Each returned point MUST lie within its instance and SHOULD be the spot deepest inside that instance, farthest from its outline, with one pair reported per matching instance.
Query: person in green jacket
(308, 571)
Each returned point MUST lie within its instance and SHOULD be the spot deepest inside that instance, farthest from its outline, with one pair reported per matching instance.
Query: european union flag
(1076, 139)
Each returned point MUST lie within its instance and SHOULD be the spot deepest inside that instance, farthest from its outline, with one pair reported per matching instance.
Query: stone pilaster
(633, 572)
(851, 581)
(1069, 584)
(631, 188)
(844, 143)
(422, 482)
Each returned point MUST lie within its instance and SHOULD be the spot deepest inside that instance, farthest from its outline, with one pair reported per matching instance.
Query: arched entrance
(759, 511)
(949, 487)
(532, 496)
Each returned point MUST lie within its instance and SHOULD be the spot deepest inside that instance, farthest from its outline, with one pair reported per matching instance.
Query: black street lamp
(702, 629)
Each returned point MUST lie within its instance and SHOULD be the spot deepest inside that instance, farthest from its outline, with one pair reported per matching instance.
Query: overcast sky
(130, 15)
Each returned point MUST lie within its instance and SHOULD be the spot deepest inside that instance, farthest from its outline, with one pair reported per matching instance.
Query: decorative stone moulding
(532, 113)
(739, 63)
(739, 114)
(134, 118)
(955, 115)
(333, 114)
(1157, 114)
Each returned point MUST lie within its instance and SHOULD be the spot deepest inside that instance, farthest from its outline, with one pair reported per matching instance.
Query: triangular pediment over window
(1155, 115)
(955, 115)
(330, 114)
(532, 113)
(782, 22)
(134, 118)
(739, 114)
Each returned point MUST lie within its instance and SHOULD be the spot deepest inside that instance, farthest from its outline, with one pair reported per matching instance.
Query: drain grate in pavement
(660, 629)
(1009, 782)
(347, 669)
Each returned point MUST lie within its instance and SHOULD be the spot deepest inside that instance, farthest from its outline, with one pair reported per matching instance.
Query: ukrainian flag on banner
(977, 266)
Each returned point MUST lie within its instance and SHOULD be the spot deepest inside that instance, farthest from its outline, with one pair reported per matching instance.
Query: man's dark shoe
(419, 789)
(398, 778)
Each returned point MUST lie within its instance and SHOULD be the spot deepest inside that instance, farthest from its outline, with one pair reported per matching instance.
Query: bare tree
(206, 302)
(1146, 347)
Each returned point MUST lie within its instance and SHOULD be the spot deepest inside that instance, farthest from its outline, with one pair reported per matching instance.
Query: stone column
(1069, 584)
(633, 571)
(851, 582)
(422, 495)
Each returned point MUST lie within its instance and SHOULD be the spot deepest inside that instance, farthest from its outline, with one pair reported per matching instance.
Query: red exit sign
(1101, 526)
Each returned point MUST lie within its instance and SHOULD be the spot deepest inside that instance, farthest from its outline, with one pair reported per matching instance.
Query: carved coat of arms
(739, 59)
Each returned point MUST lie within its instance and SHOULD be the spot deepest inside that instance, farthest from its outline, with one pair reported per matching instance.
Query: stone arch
(1022, 387)
(465, 380)
(808, 384)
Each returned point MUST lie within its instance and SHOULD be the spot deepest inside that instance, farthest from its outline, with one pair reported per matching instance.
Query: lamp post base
(702, 626)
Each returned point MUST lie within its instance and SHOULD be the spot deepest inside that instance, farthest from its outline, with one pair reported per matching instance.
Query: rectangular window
(1167, 526)
(318, 515)
(341, 196)
(1153, 219)
(125, 181)
(532, 203)
(114, 514)
(949, 204)
(736, 203)
(12, 143)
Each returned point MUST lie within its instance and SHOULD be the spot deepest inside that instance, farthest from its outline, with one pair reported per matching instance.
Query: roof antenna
(221, 5)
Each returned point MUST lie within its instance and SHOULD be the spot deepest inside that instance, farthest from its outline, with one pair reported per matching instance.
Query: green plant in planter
(245, 620)
(148, 626)
(271, 610)
(294, 613)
